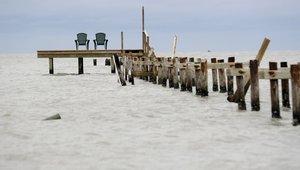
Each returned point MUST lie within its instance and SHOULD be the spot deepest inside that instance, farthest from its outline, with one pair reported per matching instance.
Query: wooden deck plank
(87, 53)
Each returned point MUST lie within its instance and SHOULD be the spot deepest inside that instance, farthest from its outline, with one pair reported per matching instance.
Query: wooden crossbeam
(88, 53)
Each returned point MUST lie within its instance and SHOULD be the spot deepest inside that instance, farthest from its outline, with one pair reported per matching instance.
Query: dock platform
(80, 54)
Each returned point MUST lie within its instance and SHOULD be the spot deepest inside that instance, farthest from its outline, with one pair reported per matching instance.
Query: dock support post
(188, 78)
(214, 76)
(112, 65)
(285, 89)
(295, 75)
(240, 89)
(170, 75)
(255, 102)
(80, 65)
(222, 78)
(51, 66)
(197, 79)
(230, 78)
(203, 79)
(175, 72)
(182, 79)
(274, 93)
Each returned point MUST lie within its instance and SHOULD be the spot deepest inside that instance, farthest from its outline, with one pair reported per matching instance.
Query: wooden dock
(80, 54)
(89, 53)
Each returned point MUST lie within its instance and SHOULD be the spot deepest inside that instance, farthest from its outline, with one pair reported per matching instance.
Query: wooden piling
(188, 78)
(107, 62)
(203, 79)
(51, 66)
(214, 76)
(198, 79)
(117, 63)
(95, 62)
(159, 74)
(240, 89)
(230, 78)
(255, 102)
(170, 76)
(154, 78)
(80, 65)
(175, 73)
(295, 77)
(164, 73)
(182, 79)
(112, 66)
(222, 78)
(192, 73)
(274, 93)
(285, 89)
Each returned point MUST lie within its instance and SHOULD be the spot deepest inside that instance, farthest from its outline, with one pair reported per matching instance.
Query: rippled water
(145, 126)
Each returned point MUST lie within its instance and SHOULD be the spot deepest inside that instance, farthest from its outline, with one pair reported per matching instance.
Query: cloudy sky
(201, 25)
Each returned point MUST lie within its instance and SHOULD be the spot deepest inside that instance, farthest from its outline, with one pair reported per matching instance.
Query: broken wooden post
(285, 89)
(145, 68)
(155, 73)
(214, 76)
(240, 89)
(255, 102)
(230, 78)
(80, 65)
(51, 66)
(119, 71)
(164, 72)
(182, 79)
(112, 65)
(107, 62)
(53, 117)
(170, 75)
(95, 62)
(175, 73)
(274, 93)
(295, 77)
(203, 79)
(159, 71)
(222, 78)
(188, 78)
(259, 57)
(198, 79)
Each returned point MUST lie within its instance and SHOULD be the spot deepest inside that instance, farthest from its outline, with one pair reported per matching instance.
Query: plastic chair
(82, 40)
(100, 40)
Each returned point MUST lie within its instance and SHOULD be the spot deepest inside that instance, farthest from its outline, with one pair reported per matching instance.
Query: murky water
(145, 126)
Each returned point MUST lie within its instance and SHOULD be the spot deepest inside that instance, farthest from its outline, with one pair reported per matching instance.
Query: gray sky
(201, 25)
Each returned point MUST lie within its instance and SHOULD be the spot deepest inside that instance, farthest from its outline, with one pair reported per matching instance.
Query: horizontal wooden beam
(281, 73)
(88, 53)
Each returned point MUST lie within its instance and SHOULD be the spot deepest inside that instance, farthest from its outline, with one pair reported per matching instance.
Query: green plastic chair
(100, 40)
(82, 40)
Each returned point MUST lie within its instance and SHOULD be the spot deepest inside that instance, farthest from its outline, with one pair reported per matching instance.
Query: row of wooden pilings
(183, 73)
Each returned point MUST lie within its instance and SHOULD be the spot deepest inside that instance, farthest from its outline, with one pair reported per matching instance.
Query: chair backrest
(81, 38)
(100, 38)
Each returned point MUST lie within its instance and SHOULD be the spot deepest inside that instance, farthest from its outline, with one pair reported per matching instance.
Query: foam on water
(145, 126)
